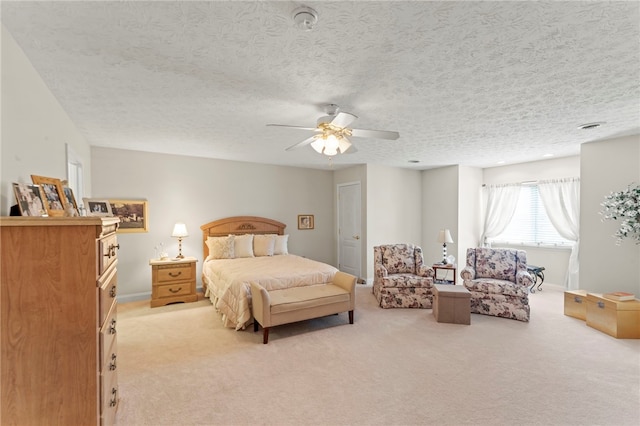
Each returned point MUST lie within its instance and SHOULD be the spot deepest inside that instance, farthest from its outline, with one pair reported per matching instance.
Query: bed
(244, 249)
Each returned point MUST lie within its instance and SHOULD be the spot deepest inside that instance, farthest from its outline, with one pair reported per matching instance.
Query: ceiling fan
(332, 134)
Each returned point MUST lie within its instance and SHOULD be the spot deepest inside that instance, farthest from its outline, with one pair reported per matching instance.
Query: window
(530, 224)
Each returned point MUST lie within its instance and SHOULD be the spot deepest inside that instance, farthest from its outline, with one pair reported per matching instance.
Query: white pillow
(280, 246)
(243, 245)
(220, 247)
(263, 245)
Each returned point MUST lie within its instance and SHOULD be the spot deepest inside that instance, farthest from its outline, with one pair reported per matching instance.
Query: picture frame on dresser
(71, 199)
(132, 213)
(30, 199)
(54, 199)
(97, 207)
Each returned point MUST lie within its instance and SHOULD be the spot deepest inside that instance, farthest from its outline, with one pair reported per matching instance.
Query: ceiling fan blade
(343, 119)
(293, 127)
(344, 145)
(377, 134)
(303, 143)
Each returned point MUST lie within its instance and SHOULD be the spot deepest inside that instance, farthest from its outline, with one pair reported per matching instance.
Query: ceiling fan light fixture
(305, 18)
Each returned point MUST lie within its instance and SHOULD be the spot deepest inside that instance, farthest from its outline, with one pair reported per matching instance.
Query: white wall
(199, 190)
(469, 212)
(439, 211)
(35, 128)
(394, 208)
(607, 166)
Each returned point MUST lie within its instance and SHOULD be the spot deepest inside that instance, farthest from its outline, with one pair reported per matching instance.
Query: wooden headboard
(239, 225)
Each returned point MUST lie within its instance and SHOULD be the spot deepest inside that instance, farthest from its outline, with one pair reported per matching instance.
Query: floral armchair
(498, 281)
(401, 279)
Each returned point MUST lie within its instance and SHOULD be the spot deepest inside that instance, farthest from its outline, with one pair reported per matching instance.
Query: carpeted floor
(177, 365)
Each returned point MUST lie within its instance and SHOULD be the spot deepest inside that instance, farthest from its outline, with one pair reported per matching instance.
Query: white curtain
(501, 205)
(561, 200)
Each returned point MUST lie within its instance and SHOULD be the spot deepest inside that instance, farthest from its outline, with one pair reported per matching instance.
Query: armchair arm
(380, 271)
(524, 278)
(425, 271)
(468, 273)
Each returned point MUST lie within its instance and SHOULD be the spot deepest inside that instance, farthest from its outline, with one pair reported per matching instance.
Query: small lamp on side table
(179, 232)
(444, 237)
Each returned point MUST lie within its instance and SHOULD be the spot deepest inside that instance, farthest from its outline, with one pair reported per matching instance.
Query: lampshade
(180, 230)
(444, 236)
(330, 144)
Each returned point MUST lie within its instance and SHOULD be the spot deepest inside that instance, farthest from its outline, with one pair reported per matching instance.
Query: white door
(349, 229)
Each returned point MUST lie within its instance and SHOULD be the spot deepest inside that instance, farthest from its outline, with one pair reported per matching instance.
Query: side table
(537, 274)
(447, 268)
(172, 281)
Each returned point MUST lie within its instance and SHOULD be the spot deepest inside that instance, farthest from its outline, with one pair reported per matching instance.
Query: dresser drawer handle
(112, 292)
(112, 364)
(111, 251)
(577, 299)
(112, 327)
(114, 397)
(601, 305)
(175, 291)
(176, 275)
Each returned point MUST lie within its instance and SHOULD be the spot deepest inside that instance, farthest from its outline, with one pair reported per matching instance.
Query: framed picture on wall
(132, 214)
(305, 221)
(54, 198)
(30, 199)
(97, 207)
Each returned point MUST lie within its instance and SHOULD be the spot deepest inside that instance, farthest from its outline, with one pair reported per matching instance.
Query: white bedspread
(228, 281)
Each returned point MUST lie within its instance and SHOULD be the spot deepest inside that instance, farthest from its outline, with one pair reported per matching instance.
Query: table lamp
(444, 237)
(179, 232)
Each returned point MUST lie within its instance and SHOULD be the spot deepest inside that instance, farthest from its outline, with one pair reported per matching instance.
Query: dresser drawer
(174, 273)
(108, 337)
(109, 397)
(108, 252)
(108, 284)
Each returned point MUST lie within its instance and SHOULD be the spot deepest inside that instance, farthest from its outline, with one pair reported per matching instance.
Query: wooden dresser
(58, 320)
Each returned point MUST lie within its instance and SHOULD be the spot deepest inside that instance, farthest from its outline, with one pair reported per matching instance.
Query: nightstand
(173, 280)
(444, 279)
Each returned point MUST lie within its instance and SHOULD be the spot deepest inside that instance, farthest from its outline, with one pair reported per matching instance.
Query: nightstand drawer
(173, 273)
(170, 290)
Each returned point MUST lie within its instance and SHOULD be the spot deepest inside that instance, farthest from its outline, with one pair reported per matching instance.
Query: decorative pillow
(263, 245)
(220, 247)
(281, 244)
(243, 245)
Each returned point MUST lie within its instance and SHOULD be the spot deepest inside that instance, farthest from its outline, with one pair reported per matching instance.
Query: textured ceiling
(469, 83)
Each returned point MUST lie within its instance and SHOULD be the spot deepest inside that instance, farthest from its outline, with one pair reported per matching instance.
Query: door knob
(357, 237)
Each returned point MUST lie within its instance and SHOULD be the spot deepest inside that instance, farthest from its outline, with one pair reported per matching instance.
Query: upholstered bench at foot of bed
(277, 307)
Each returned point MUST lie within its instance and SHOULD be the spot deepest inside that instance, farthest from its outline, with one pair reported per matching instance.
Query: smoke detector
(305, 18)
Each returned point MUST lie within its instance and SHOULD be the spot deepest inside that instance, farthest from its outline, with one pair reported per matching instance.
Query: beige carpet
(177, 365)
